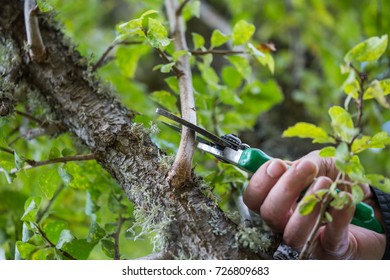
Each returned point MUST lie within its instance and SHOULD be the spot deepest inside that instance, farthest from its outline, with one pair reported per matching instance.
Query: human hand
(273, 192)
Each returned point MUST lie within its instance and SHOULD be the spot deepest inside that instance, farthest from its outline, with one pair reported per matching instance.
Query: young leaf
(340, 200)
(157, 35)
(307, 205)
(242, 32)
(242, 65)
(198, 40)
(307, 130)
(191, 9)
(264, 58)
(378, 141)
(379, 90)
(108, 247)
(342, 123)
(368, 50)
(357, 194)
(218, 38)
(328, 152)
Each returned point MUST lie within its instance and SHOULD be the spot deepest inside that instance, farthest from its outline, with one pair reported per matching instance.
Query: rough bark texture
(188, 222)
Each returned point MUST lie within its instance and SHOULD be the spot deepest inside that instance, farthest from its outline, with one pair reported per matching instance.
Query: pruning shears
(230, 149)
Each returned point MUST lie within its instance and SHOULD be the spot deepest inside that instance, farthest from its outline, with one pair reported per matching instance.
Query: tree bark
(187, 221)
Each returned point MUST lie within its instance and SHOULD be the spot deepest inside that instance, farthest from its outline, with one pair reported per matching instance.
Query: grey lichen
(254, 239)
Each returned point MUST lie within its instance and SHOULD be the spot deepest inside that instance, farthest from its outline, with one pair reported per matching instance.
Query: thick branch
(182, 167)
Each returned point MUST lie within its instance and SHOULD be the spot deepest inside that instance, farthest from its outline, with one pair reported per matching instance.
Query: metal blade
(215, 139)
(198, 138)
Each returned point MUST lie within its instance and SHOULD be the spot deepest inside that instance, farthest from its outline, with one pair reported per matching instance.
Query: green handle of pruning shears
(251, 160)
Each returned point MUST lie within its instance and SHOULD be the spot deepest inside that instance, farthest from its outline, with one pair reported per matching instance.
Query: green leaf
(79, 180)
(157, 35)
(328, 152)
(130, 29)
(229, 97)
(368, 50)
(198, 40)
(108, 247)
(48, 182)
(379, 181)
(218, 38)
(25, 249)
(53, 229)
(166, 99)
(191, 9)
(54, 153)
(378, 141)
(342, 123)
(264, 58)
(242, 65)
(31, 208)
(378, 90)
(95, 233)
(231, 77)
(242, 32)
(307, 204)
(340, 200)
(67, 152)
(307, 130)
(127, 58)
(78, 248)
(357, 194)
(209, 75)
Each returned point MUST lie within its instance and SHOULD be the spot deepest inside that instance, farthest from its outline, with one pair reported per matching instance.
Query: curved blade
(215, 139)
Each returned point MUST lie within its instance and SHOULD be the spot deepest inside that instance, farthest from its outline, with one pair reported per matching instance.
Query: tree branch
(182, 166)
(37, 49)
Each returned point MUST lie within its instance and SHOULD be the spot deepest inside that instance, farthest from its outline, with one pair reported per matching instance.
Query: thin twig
(182, 166)
(102, 59)
(31, 117)
(37, 49)
(117, 255)
(166, 58)
(34, 164)
(181, 7)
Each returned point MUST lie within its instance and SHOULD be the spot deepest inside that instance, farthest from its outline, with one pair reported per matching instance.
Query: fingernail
(275, 169)
(307, 167)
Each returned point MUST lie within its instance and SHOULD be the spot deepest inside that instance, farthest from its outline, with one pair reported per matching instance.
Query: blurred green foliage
(78, 206)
